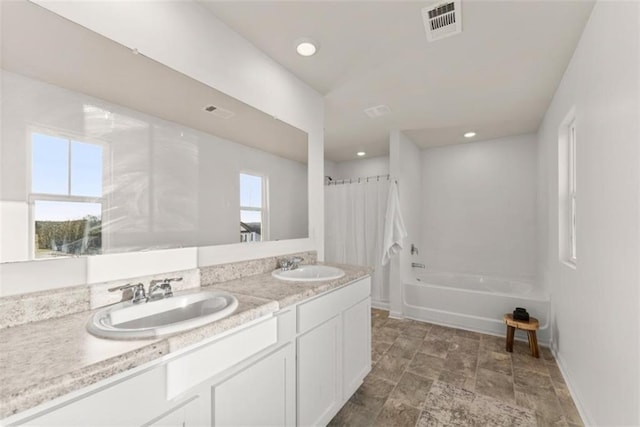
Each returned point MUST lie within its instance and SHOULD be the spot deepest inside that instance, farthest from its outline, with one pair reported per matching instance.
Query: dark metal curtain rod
(331, 181)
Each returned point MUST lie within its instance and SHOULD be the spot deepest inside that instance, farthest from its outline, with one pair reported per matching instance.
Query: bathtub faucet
(417, 264)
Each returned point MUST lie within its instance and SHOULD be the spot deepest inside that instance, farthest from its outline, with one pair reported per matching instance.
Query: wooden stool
(531, 327)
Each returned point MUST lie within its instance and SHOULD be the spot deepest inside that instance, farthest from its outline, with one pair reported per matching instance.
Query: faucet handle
(125, 287)
(289, 263)
(167, 281)
(284, 263)
(131, 291)
(161, 288)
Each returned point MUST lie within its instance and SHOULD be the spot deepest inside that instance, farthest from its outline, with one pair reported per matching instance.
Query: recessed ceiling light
(469, 134)
(361, 153)
(306, 47)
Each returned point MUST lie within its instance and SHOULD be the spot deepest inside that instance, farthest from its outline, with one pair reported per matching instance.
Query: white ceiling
(496, 78)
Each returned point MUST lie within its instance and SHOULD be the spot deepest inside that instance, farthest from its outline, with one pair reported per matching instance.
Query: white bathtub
(475, 303)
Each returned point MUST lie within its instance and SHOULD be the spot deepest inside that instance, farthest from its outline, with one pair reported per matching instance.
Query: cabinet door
(356, 350)
(176, 418)
(319, 373)
(261, 395)
(184, 415)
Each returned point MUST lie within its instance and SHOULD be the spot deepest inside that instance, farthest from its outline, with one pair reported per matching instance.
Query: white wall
(357, 168)
(595, 305)
(405, 166)
(189, 39)
(479, 207)
(330, 168)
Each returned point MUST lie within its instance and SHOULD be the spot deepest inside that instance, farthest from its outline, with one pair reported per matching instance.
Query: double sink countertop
(43, 360)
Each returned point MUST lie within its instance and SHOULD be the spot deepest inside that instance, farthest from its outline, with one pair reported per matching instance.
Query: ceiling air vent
(219, 112)
(442, 19)
(377, 111)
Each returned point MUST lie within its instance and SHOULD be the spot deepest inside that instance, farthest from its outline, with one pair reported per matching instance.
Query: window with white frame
(572, 189)
(567, 177)
(66, 196)
(253, 212)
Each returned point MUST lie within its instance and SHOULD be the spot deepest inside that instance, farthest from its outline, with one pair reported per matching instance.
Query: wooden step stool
(531, 327)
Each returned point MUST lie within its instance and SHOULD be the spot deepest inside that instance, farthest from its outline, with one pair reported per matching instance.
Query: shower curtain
(354, 229)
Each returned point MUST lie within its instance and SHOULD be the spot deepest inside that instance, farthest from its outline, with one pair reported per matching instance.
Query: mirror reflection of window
(66, 196)
(253, 210)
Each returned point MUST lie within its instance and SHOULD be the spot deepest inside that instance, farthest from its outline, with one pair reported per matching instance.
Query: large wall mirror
(107, 151)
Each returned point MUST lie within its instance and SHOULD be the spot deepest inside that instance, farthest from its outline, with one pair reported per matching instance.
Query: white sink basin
(181, 312)
(309, 273)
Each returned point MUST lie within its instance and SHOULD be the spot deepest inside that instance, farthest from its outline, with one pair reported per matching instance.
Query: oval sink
(179, 313)
(309, 273)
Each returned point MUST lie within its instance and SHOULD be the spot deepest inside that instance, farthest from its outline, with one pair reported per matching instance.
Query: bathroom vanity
(292, 359)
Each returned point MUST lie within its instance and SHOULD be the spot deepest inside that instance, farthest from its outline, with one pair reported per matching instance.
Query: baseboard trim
(587, 419)
(380, 305)
(395, 315)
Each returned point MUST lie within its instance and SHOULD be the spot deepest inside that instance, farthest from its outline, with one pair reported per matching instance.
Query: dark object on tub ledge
(521, 314)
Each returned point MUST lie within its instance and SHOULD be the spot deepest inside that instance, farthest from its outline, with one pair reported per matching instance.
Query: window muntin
(66, 196)
(65, 167)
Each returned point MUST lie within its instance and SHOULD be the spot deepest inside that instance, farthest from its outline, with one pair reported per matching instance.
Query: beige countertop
(288, 293)
(44, 360)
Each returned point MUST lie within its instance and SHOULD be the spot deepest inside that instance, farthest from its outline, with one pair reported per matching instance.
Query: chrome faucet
(161, 288)
(417, 265)
(289, 263)
(131, 292)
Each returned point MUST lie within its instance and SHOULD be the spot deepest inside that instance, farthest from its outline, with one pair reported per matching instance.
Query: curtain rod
(331, 181)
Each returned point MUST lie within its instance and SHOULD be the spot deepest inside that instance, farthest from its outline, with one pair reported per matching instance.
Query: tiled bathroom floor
(429, 375)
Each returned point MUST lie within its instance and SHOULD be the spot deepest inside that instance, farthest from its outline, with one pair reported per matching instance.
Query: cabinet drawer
(133, 401)
(326, 306)
(192, 368)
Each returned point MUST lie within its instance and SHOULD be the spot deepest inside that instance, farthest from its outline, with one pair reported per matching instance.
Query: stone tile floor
(430, 375)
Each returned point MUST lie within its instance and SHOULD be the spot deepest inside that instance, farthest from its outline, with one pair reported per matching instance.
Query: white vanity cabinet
(334, 350)
(180, 390)
(297, 367)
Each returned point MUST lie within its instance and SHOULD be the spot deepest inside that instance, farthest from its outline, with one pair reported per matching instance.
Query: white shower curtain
(354, 227)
